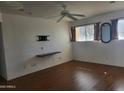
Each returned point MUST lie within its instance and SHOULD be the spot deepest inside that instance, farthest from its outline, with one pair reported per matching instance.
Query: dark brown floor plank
(71, 76)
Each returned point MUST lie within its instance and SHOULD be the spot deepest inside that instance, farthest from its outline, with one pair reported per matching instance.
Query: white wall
(111, 53)
(21, 47)
(100, 18)
(2, 56)
(0, 17)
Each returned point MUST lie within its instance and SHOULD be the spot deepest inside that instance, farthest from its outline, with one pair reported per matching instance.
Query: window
(85, 33)
(120, 29)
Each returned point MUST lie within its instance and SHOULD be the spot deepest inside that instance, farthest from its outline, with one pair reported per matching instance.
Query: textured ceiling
(51, 9)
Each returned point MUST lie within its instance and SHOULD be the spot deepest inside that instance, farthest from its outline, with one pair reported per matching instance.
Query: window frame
(122, 18)
(85, 32)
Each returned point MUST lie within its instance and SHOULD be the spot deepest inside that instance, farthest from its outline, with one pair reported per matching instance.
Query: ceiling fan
(66, 13)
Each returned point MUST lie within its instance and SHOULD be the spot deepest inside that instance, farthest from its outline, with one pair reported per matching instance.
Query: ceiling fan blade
(78, 15)
(50, 17)
(60, 18)
(70, 16)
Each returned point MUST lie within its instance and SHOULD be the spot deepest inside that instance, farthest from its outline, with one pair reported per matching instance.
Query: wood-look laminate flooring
(71, 76)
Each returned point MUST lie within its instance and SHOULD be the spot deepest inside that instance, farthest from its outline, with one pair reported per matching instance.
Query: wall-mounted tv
(42, 37)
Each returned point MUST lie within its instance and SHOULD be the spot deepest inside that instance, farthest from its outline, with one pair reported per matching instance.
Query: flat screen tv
(42, 38)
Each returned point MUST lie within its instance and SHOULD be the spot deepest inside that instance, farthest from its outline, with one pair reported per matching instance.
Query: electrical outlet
(42, 48)
(106, 58)
(34, 64)
(24, 67)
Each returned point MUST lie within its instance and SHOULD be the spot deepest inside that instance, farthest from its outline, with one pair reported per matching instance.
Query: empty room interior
(62, 45)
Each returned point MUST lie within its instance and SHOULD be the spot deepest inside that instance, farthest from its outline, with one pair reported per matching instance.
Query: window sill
(88, 41)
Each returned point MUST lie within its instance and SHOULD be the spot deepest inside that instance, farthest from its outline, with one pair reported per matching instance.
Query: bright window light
(121, 29)
(85, 33)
